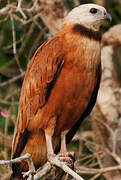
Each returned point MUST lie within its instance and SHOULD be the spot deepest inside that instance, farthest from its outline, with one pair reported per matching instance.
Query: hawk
(60, 87)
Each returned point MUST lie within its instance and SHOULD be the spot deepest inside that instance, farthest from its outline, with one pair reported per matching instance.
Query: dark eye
(93, 10)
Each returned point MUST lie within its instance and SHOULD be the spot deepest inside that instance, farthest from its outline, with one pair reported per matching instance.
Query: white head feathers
(90, 15)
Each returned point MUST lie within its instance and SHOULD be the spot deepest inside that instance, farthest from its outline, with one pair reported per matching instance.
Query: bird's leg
(48, 135)
(49, 144)
(63, 142)
(65, 156)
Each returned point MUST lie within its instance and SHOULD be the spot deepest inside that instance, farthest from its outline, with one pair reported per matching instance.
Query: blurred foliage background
(19, 40)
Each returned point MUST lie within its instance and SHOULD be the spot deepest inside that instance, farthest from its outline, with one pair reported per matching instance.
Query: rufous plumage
(60, 87)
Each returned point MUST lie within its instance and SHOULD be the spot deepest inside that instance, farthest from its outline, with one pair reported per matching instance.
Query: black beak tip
(108, 17)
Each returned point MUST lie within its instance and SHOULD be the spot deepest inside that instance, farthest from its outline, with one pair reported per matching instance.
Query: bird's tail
(16, 178)
(17, 172)
(36, 146)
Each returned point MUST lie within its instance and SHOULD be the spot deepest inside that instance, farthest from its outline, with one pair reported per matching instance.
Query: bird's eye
(93, 10)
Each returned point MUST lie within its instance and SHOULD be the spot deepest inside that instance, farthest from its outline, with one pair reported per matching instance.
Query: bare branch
(83, 170)
(14, 44)
(12, 80)
(19, 9)
(19, 159)
(5, 10)
(63, 166)
(45, 169)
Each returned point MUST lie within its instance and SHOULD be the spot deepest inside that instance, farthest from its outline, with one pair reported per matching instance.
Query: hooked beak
(108, 17)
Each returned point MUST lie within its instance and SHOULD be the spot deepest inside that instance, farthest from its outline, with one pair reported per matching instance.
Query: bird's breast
(70, 96)
(74, 85)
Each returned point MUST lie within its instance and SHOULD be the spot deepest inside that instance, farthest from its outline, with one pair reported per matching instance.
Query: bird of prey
(60, 88)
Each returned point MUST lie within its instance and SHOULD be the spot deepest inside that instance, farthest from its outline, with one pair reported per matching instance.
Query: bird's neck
(83, 43)
(86, 31)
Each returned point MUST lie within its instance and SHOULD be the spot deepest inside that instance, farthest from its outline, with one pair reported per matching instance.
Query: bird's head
(90, 15)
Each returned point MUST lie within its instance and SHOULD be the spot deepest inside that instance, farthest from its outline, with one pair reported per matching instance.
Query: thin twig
(23, 21)
(7, 102)
(14, 44)
(19, 159)
(28, 35)
(30, 10)
(40, 173)
(5, 10)
(83, 170)
(12, 80)
(19, 9)
(94, 177)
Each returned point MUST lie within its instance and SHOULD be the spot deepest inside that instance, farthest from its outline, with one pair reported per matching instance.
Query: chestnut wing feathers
(40, 77)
